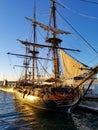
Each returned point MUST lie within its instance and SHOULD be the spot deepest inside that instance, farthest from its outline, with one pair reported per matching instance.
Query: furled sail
(48, 28)
(72, 68)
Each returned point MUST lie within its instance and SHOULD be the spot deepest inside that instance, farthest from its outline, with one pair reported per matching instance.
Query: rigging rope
(83, 15)
(79, 34)
(11, 63)
(43, 68)
(92, 2)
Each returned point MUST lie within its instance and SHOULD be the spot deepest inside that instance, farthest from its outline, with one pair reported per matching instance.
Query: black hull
(38, 102)
(50, 105)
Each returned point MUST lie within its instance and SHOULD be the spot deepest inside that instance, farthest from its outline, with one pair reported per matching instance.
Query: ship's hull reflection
(37, 119)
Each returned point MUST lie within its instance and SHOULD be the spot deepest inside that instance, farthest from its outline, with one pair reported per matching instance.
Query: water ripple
(15, 115)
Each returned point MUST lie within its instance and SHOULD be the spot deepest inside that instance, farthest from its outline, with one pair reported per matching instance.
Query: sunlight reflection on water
(15, 115)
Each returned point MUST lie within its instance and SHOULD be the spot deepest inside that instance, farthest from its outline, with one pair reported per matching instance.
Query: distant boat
(59, 87)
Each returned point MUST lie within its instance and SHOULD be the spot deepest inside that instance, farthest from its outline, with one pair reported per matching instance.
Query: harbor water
(16, 115)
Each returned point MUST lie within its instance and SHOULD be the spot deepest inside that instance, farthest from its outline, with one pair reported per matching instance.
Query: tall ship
(54, 81)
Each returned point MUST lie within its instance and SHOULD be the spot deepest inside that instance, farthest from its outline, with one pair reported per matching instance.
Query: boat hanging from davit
(58, 86)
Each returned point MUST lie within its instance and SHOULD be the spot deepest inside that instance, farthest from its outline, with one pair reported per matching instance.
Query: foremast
(26, 65)
(34, 52)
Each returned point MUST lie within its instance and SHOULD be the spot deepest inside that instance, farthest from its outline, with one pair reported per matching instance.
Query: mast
(26, 64)
(33, 51)
(55, 43)
(34, 40)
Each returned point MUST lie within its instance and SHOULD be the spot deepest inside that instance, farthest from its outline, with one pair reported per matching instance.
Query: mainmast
(34, 40)
(54, 42)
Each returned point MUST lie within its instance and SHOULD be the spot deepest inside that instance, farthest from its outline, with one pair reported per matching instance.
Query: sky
(77, 16)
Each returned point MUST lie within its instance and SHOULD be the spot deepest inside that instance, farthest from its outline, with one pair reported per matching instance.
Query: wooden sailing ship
(60, 90)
